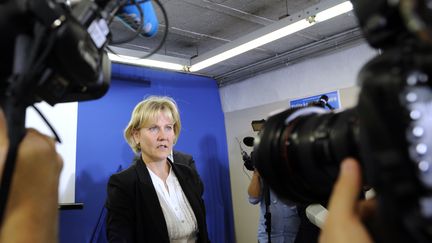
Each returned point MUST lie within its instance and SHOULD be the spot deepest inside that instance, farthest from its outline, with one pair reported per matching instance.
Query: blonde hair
(146, 111)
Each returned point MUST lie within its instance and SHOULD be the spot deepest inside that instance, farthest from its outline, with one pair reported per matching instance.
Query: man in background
(284, 217)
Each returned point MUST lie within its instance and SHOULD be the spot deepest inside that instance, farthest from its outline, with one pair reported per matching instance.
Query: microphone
(323, 99)
(248, 141)
(131, 17)
(323, 102)
(247, 161)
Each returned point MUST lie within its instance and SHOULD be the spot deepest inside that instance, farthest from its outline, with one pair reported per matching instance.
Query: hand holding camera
(33, 195)
(344, 208)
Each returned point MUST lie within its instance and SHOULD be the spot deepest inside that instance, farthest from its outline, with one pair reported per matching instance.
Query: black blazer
(134, 212)
(185, 159)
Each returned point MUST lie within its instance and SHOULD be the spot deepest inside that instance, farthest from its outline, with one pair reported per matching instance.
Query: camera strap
(16, 133)
(18, 97)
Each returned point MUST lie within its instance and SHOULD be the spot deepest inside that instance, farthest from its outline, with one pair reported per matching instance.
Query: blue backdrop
(101, 148)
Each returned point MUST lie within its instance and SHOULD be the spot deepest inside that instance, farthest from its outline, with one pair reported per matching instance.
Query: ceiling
(197, 27)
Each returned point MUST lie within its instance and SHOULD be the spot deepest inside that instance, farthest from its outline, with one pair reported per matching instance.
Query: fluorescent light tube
(272, 36)
(334, 11)
(146, 62)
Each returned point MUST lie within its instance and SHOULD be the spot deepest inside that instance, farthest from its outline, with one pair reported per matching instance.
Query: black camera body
(299, 150)
(53, 52)
(50, 52)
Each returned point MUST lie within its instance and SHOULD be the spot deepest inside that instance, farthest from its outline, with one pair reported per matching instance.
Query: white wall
(254, 98)
(64, 119)
(325, 73)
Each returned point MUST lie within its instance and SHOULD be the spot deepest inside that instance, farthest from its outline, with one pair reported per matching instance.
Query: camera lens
(299, 151)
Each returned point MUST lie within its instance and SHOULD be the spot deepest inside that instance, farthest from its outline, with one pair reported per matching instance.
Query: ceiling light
(282, 31)
(287, 30)
(334, 11)
(146, 62)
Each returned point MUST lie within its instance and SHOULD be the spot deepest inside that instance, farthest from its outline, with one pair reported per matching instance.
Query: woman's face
(156, 139)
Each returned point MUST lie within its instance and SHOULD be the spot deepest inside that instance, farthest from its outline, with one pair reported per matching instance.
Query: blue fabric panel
(101, 148)
(99, 232)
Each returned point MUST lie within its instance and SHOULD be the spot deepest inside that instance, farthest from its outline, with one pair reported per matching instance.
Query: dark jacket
(185, 159)
(134, 212)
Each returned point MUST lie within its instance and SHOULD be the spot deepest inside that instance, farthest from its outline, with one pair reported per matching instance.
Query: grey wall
(255, 98)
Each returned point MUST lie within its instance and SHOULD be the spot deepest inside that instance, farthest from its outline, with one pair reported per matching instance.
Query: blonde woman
(155, 200)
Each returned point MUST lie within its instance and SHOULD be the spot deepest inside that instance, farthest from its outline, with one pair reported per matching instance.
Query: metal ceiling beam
(195, 35)
(230, 11)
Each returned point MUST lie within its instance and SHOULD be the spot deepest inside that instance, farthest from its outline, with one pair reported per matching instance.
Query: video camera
(249, 141)
(51, 52)
(257, 126)
(299, 150)
(55, 51)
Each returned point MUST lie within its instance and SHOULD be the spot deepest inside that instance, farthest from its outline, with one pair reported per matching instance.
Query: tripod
(267, 215)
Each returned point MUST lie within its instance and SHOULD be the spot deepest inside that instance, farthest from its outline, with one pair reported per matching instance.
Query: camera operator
(346, 212)
(284, 217)
(33, 198)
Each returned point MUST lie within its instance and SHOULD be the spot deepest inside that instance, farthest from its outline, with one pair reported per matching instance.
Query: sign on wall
(333, 100)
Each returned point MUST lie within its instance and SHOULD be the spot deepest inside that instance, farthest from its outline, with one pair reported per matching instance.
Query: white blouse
(179, 216)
